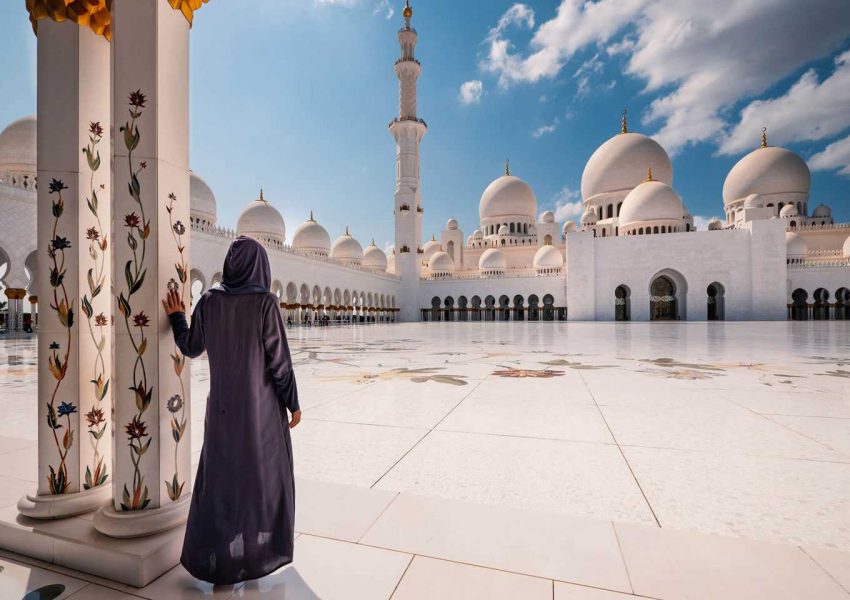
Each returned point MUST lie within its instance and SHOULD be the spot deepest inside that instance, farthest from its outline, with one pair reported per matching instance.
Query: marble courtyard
(492, 459)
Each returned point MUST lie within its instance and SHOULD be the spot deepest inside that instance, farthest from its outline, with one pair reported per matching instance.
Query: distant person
(242, 513)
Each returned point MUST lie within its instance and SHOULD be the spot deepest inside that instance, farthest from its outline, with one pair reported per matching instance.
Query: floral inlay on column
(138, 230)
(57, 362)
(175, 404)
(96, 473)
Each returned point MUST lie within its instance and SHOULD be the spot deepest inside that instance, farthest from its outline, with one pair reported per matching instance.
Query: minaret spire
(507, 167)
(624, 125)
(764, 137)
(408, 13)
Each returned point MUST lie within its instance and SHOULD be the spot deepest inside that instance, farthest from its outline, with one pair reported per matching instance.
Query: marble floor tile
(791, 501)
(427, 579)
(97, 592)
(8, 444)
(801, 403)
(675, 564)
(568, 591)
(178, 584)
(834, 433)
(836, 563)
(532, 543)
(12, 490)
(20, 464)
(718, 428)
(337, 511)
(349, 453)
(576, 478)
(329, 570)
(16, 579)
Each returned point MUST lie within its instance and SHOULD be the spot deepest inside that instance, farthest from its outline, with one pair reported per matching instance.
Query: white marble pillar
(150, 66)
(73, 270)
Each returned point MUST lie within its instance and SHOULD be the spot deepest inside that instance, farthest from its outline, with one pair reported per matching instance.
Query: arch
(820, 309)
(216, 279)
(519, 308)
(489, 308)
(277, 290)
(504, 308)
(533, 308)
(622, 303)
(610, 212)
(291, 293)
(317, 295)
(548, 307)
(842, 304)
(435, 308)
(667, 292)
(715, 298)
(449, 304)
(305, 294)
(31, 269)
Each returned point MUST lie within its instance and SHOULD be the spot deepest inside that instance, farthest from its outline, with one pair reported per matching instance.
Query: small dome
(620, 164)
(451, 224)
(492, 260)
(374, 258)
(311, 238)
(430, 248)
(347, 250)
(441, 262)
(651, 201)
(568, 227)
(767, 171)
(202, 205)
(18, 146)
(469, 240)
(795, 245)
(507, 196)
(589, 217)
(822, 212)
(547, 217)
(753, 201)
(788, 211)
(477, 235)
(503, 230)
(714, 225)
(845, 250)
(260, 220)
(548, 257)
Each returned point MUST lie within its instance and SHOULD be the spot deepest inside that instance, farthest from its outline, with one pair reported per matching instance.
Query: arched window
(715, 302)
(547, 239)
(610, 210)
(512, 228)
(662, 299)
(799, 310)
(820, 310)
(622, 303)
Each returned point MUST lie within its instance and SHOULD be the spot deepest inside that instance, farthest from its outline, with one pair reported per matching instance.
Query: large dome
(347, 250)
(768, 171)
(202, 205)
(548, 257)
(260, 220)
(651, 201)
(311, 238)
(492, 260)
(507, 196)
(18, 146)
(431, 247)
(374, 258)
(796, 246)
(620, 164)
(441, 262)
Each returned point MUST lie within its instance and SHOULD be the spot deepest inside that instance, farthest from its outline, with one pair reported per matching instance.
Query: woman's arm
(278, 360)
(190, 340)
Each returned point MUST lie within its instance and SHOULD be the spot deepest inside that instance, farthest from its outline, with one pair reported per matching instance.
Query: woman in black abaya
(242, 512)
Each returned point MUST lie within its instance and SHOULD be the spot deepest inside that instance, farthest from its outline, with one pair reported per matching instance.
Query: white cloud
(546, 129)
(834, 156)
(384, 8)
(471, 92)
(700, 57)
(568, 204)
(337, 2)
(810, 110)
(701, 223)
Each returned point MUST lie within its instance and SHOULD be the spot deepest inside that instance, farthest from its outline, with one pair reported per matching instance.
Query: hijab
(246, 268)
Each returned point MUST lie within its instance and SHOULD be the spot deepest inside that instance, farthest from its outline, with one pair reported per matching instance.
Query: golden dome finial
(346, 231)
(624, 126)
(433, 237)
(408, 13)
(261, 195)
(311, 216)
(507, 166)
(649, 174)
(764, 137)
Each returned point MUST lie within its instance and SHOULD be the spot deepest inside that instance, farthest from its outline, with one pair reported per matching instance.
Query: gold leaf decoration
(94, 14)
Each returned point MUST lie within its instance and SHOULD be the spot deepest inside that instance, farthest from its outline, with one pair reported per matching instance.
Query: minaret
(408, 131)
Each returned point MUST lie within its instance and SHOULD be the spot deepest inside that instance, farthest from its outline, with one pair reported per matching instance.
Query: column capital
(94, 14)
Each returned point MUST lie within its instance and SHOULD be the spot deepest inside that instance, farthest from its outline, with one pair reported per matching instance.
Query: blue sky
(295, 96)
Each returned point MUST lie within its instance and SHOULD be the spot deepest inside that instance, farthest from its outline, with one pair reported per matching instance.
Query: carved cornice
(94, 14)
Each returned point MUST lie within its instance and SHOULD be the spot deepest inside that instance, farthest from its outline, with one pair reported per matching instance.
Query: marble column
(150, 67)
(73, 273)
(15, 314)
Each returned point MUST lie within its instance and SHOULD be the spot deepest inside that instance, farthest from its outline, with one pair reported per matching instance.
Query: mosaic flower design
(66, 408)
(175, 403)
(523, 373)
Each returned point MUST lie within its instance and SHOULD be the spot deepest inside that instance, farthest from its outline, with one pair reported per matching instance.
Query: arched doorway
(842, 304)
(519, 310)
(799, 308)
(476, 308)
(450, 309)
(548, 307)
(435, 308)
(463, 313)
(533, 308)
(662, 299)
(504, 308)
(622, 303)
(820, 310)
(489, 308)
(715, 299)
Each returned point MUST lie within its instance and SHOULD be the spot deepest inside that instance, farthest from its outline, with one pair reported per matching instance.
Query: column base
(61, 506)
(141, 523)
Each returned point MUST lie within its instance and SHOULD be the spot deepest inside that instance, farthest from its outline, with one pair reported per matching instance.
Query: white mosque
(634, 255)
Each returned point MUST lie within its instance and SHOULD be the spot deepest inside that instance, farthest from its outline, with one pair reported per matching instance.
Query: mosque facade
(634, 254)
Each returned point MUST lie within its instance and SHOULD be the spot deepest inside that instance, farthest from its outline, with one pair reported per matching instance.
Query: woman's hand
(172, 303)
(295, 420)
